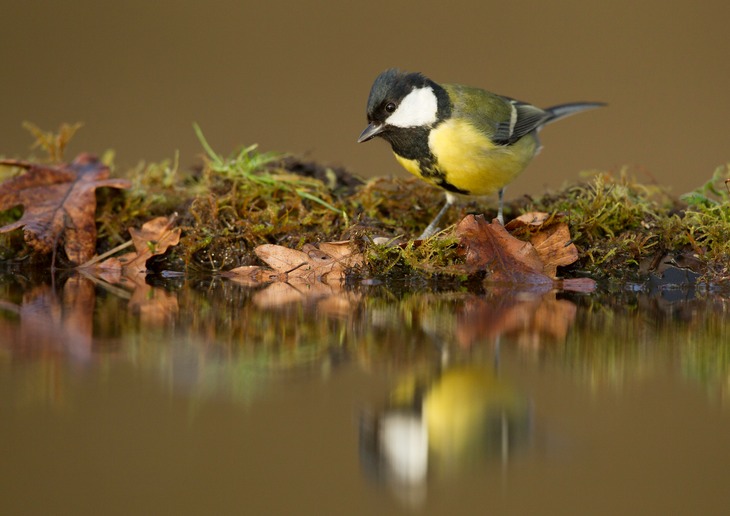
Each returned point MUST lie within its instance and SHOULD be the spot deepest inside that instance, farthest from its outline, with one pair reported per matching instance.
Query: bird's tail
(563, 110)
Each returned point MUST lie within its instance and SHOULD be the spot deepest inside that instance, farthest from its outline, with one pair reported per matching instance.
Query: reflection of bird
(465, 140)
(464, 415)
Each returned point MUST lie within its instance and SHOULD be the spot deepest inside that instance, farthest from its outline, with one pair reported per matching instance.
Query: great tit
(465, 140)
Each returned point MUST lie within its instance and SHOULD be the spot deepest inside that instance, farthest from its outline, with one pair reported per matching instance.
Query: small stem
(110, 252)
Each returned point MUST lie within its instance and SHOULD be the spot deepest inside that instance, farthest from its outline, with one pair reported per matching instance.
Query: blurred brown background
(294, 76)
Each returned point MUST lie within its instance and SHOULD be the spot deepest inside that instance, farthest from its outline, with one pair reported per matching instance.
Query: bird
(464, 140)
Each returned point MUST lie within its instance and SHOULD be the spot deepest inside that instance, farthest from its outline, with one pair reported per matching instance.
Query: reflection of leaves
(154, 305)
(327, 262)
(329, 298)
(530, 321)
(58, 201)
(48, 320)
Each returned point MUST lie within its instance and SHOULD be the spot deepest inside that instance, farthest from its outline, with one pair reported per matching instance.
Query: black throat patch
(412, 143)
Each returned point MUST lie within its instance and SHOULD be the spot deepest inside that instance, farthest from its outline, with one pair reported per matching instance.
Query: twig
(110, 252)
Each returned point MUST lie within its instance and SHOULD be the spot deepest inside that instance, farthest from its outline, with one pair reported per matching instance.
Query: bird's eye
(390, 107)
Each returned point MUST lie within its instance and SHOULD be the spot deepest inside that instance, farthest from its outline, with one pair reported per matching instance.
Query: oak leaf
(59, 203)
(550, 237)
(490, 247)
(154, 238)
(508, 259)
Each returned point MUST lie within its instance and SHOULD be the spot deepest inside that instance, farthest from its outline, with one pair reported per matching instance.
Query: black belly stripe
(443, 183)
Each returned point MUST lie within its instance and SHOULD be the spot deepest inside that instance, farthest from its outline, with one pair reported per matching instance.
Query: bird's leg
(500, 218)
(432, 228)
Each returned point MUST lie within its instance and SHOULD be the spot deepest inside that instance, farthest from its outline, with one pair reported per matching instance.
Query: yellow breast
(411, 165)
(471, 162)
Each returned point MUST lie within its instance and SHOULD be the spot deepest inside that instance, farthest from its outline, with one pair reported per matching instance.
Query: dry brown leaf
(251, 275)
(555, 248)
(530, 219)
(325, 262)
(341, 250)
(59, 203)
(490, 247)
(154, 238)
(550, 236)
(508, 259)
(282, 259)
(332, 258)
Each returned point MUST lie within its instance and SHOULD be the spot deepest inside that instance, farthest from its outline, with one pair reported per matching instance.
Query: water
(185, 396)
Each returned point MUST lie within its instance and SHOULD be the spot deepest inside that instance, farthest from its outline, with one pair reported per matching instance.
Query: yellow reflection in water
(442, 425)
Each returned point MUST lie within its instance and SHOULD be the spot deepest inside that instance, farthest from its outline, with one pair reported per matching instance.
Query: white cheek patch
(418, 108)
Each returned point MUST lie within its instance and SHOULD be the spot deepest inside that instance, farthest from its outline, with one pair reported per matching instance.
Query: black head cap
(389, 88)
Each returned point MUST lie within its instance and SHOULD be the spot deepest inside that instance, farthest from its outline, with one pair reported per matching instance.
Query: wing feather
(503, 119)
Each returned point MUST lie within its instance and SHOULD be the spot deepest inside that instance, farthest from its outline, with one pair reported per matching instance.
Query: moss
(226, 207)
(619, 224)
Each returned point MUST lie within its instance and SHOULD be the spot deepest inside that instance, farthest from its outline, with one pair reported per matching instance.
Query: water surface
(206, 397)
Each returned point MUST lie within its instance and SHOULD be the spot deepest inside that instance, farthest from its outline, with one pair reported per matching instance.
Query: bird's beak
(371, 131)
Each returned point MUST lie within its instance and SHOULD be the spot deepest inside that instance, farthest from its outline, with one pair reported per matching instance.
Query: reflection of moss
(706, 359)
(223, 341)
(622, 337)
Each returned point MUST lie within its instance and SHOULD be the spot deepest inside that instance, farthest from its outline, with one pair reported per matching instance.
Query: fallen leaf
(490, 247)
(325, 262)
(59, 204)
(341, 250)
(555, 248)
(154, 238)
(251, 275)
(550, 237)
(282, 259)
(530, 219)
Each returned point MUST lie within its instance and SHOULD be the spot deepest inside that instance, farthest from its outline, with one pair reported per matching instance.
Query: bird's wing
(524, 118)
(503, 119)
